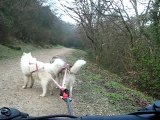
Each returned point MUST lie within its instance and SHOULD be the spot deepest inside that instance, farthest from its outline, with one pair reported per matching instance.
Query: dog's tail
(77, 65)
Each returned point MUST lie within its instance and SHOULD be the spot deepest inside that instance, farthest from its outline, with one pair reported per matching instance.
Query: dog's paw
(30, 86)
(24, 87)
(51, 92)
(42, 95)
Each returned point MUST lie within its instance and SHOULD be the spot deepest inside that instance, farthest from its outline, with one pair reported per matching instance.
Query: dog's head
(53, 59)
(27, 54)
(59, 62)
(28, 57)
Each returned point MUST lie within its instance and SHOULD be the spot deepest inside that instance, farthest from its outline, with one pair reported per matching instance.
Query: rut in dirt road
(28, 100)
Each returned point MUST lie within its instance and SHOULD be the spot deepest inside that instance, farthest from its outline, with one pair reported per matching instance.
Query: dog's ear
(24, 53)
(29, 53)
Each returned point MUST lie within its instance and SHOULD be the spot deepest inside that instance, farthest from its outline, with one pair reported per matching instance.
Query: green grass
(94, 77)
(124, 98)
(57, 46)
(6, 52)
(77, 54)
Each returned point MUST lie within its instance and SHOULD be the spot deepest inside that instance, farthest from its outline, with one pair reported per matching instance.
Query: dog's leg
(26, 79)
(70, 91)
(32, 82)
(51, 87)
(57, 78)
(71, 83)
(44, 84)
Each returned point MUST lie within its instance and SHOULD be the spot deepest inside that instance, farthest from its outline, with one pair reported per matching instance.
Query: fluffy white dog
(33, 69)
(71, 75)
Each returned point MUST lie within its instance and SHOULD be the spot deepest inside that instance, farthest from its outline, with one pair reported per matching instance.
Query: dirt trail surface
(86, 97)
(28, 100)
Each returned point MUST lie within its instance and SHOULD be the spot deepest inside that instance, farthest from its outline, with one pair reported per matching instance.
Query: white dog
(70, 76)
(33, 69)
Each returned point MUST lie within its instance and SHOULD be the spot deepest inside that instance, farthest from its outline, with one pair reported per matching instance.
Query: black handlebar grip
(11, 113)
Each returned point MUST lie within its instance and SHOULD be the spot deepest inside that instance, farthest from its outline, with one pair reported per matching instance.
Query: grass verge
(99, 91)
(6, 52)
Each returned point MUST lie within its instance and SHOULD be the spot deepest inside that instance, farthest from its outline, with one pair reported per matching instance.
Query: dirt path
(28, 100)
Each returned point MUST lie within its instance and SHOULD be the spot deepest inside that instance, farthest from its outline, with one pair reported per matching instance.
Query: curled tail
(77, 65)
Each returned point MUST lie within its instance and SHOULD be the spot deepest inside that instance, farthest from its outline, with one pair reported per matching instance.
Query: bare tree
(110, 25)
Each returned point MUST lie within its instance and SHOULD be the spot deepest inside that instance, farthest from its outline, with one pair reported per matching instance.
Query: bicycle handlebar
(151, 112)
